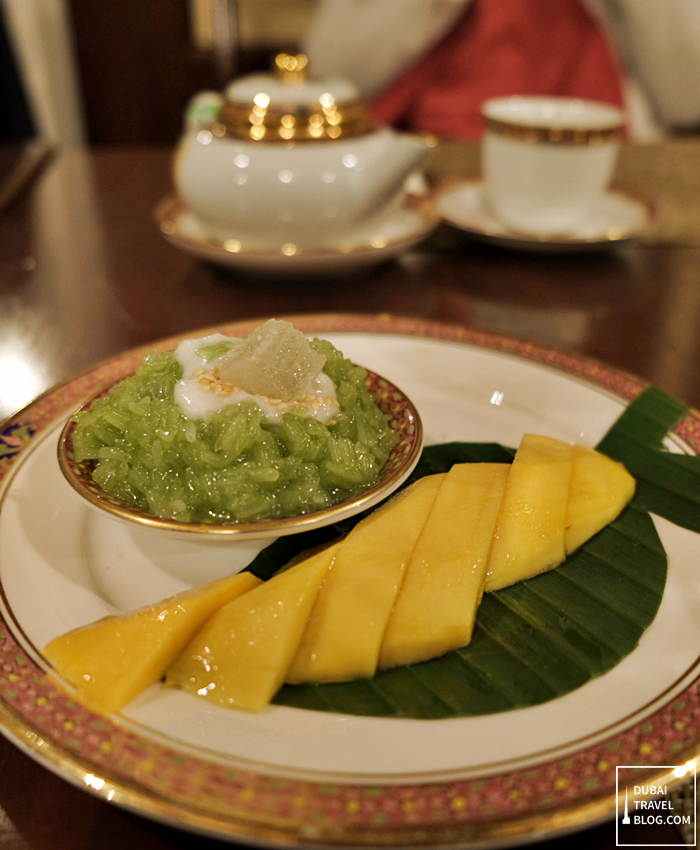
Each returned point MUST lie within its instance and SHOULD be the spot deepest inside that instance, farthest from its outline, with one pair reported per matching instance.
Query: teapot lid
(287, 106)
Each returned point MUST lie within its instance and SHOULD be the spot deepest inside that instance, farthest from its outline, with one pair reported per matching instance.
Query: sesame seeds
(210, 381)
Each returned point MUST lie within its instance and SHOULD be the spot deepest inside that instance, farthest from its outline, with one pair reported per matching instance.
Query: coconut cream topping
(201, 391)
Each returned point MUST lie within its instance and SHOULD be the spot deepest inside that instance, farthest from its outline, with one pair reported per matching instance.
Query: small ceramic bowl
(401, 414)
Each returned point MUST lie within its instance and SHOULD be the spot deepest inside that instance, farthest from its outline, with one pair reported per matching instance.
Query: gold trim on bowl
(404, 456)
(579, 136)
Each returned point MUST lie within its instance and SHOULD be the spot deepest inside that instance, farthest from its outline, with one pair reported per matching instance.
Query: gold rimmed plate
(374, 241)
(617, 218)
(399, 411)
(298, 777)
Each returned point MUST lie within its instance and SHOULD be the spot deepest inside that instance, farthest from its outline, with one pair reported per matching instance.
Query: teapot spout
(399, 156)
(413, 149)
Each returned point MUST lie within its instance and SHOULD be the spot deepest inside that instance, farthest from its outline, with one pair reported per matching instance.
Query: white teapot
(294, 159)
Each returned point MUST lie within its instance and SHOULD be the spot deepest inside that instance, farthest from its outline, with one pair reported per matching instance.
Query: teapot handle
(202, 111)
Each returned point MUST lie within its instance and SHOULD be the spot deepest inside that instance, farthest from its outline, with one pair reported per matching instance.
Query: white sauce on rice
(196, 403)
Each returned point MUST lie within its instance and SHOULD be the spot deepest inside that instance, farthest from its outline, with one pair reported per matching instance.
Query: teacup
(547, 160)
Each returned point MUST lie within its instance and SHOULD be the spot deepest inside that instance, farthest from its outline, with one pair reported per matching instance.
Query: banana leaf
(544, 637)
(667, 483)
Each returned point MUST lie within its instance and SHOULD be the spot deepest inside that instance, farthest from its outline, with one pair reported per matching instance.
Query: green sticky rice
(232, 466)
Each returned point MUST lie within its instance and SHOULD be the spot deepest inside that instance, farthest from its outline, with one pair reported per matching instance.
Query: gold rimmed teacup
(548, 160)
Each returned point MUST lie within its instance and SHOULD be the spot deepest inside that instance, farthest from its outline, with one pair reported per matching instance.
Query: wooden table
(84, 274)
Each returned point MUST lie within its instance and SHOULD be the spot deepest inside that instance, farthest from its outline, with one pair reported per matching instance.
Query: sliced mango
(111, 661)
(403, 587)
(436, 605)
(600, 488)
(344, 634)
(529, 536)
(240, 658)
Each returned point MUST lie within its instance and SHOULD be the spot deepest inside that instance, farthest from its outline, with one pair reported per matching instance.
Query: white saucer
(371, 242)
(617, 217)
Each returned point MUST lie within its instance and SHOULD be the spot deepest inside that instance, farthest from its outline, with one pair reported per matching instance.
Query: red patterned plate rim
(401, 414)
(160, 781)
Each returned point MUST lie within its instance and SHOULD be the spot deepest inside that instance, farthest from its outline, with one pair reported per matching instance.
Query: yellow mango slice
(114, 659)
(436, 605)
(600, 488)
(344, 634)
(240, 658)
(529, 536)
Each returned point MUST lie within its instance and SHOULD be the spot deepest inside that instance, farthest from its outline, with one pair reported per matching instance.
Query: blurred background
(82, 72)
(77, 71)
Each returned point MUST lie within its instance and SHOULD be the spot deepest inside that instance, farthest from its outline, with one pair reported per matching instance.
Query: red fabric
(503, 47)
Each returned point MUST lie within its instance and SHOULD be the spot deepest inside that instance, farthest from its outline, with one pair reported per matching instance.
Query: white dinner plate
(293, 776)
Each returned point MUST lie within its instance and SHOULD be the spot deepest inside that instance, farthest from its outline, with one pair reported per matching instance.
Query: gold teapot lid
(289, 106)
